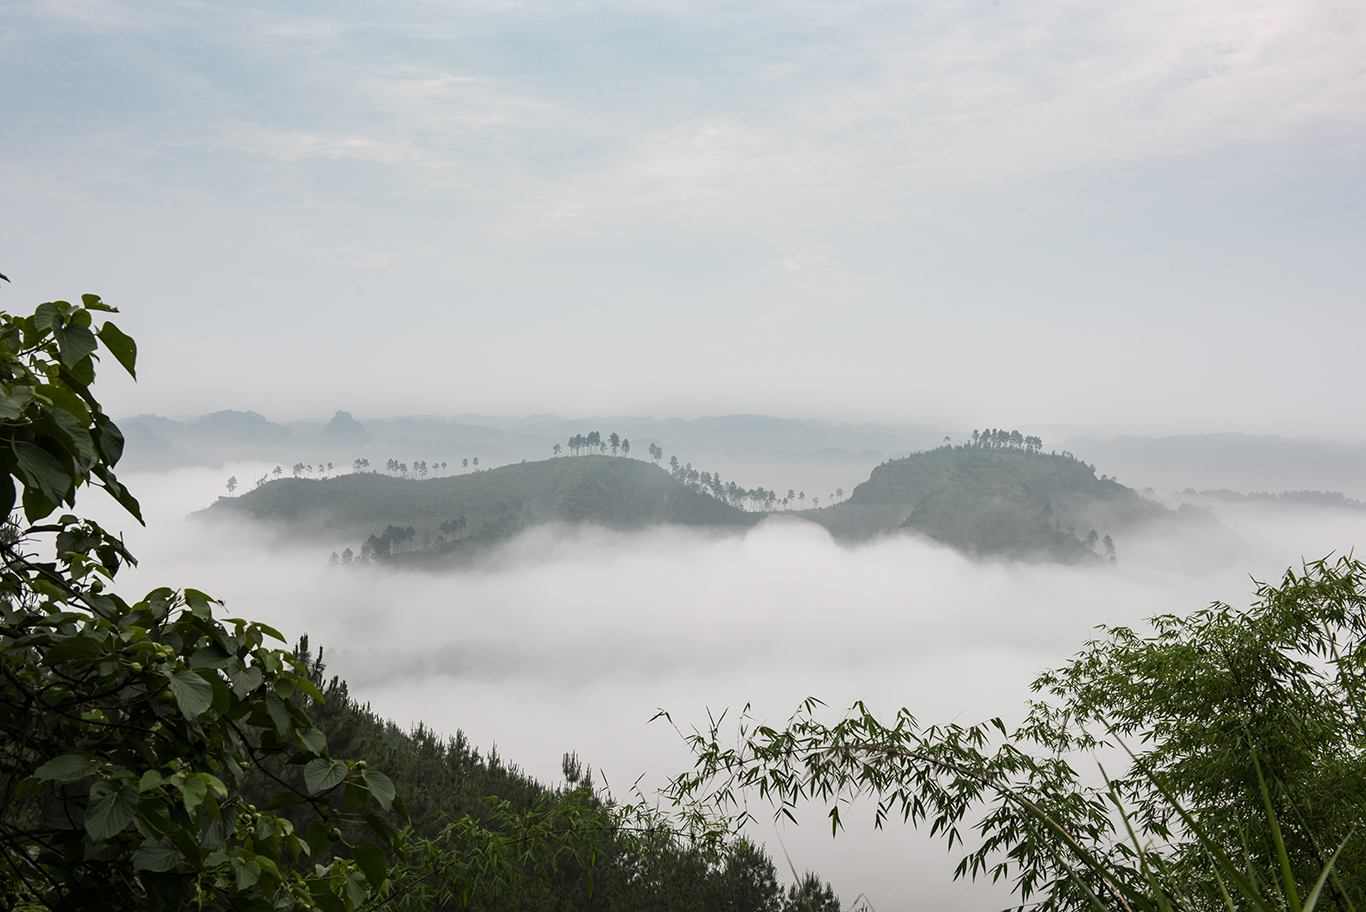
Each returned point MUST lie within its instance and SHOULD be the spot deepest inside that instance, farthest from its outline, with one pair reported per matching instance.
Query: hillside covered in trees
(454, 514)
(998, 495)
(448, 785)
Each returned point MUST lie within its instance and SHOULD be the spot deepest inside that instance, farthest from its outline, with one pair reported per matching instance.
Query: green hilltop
(619, 493)
(998, 496)
(1001, 496)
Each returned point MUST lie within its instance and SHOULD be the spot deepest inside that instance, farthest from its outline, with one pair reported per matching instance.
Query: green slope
(615, 492)
(994, 502)
(1005, 502)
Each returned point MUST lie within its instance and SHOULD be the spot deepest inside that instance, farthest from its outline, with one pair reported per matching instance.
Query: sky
(1144, 217)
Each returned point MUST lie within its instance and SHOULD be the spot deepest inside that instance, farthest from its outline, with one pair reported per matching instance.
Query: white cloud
(294, 145)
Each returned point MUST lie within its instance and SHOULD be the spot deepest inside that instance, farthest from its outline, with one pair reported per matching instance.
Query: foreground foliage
(1245, 789)
(129, 728)
(154, 756)
(564, 847)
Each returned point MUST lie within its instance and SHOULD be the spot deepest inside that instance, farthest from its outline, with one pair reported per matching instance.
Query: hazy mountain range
(812, 455)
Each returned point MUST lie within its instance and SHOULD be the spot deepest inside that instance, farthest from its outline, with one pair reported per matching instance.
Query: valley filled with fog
(570, 638)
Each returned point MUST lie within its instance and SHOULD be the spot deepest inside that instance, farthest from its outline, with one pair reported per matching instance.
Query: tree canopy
(1246, 789)
(130, 727)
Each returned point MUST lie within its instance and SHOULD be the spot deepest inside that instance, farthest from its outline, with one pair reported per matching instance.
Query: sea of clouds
(573, 638)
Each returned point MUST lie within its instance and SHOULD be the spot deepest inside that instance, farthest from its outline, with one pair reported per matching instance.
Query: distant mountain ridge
(158, 444)
(808, 454)
(812, 455)
(1230, 461)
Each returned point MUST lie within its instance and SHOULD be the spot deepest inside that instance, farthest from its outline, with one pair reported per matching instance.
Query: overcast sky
(1144, 217)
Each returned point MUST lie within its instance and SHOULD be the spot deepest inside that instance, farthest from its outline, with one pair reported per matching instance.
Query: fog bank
(572, 638)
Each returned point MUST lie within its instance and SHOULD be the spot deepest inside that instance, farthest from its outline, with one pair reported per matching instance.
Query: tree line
(710, 483)
(728, 492)
(420, 469)
(593, 442)
(399, 540)
(997, 439)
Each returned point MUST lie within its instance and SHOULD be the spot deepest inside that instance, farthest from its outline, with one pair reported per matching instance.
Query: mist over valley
(568, 631)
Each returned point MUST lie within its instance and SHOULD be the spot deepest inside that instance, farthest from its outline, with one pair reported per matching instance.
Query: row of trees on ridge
(593, 442)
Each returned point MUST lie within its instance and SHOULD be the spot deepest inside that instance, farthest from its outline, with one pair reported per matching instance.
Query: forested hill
(994, 499)
(611, 491)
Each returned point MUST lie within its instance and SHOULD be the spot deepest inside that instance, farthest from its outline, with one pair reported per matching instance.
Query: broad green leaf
(321, 774)
(74, 342)
(268, 866)
(68, 768)
(212, 656)
(13, 401)
(328, 902)
(192, 693)
(247, 875)
(356, 890)
(76, 435)
(381, 786)
(74, 649)
(192, 792)
(157, 855)
(110, 439)
(82, 373)
(267, 629)
(245, 681)
(36, 506)
(63, 398)
(314, 740)
(122, 347)
(38, 467)
(110, 810)
(54, 592)
(370, 858)
(222, 696)
(309, 688)
(380, 827)
(318, 839)
(278, 714)
(93, 302)
(401, 809)
(47, 314)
